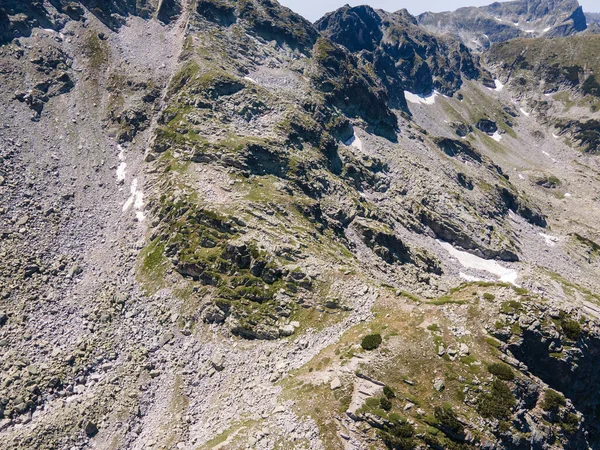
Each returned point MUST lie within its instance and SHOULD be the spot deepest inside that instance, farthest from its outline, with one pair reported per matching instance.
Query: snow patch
(122, 165)
(529, 31)
(252, 80)
(496, 136)
(568, 195)
(547, 29)
(355, 142)
(487, 265)
(136, 199)
(550, 240)
(555, 136)
(521, 177)
(525, 113)
(499, 86)
(421, 99)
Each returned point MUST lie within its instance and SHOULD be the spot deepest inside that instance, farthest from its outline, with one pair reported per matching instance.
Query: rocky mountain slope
(223, 227)
(480, 27)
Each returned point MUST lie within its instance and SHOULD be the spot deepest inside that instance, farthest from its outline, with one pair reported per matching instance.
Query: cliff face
(222, 226)
(478, 28)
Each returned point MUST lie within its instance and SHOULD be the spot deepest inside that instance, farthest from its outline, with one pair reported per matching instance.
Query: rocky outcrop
(561, 349)
(19, 18)
(478, 28)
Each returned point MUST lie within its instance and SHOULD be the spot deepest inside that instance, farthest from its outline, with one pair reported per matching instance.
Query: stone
(463, 349)
(22, 221)
(336, 383)
(439, 385)
(218, 361)
(286, 330)
(91, 429)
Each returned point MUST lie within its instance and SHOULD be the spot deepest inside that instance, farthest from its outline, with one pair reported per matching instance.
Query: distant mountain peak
(480, 27)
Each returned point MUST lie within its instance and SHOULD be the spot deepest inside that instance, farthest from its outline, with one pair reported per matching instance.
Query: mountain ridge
(224, 227)
(479, 27)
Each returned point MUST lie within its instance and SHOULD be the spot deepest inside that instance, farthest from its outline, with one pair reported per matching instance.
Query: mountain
(592, 18)
(478, 28)
(403, 55)
(224, 227)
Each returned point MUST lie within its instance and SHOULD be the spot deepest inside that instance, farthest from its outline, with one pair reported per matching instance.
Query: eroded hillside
(224, 227)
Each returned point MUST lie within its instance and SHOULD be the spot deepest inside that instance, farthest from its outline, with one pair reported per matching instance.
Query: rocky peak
(403, 55)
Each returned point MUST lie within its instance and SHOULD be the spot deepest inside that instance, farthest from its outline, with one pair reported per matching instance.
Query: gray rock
(218, 361)
(286, 330)
(336, 383)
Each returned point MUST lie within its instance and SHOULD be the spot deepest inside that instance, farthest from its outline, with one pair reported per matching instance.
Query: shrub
(385, 404)
(571, 328)
(389, 392)
(371, 341)
(553, 401)
(498, 403)
(570, 423)
(446, 417)
(502, 371)
(399, 436)
(488, 296)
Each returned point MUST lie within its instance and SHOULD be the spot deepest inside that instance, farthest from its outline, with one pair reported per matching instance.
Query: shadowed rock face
(574, 374)
(478, 28)
(403, 55)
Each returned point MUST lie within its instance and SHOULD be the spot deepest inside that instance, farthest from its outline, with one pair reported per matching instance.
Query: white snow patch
(421, 99)
(529, 31)
(550, 240)
(496, 136)
(525, 113)
(547, 29)
(546, 153)
(499, 85)
(252, 80)
(136, 199)
(355, 142)
(555, 136)
(122, 165)
(568, 195)
(487, 265)
(521, 177)
(498, 19)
